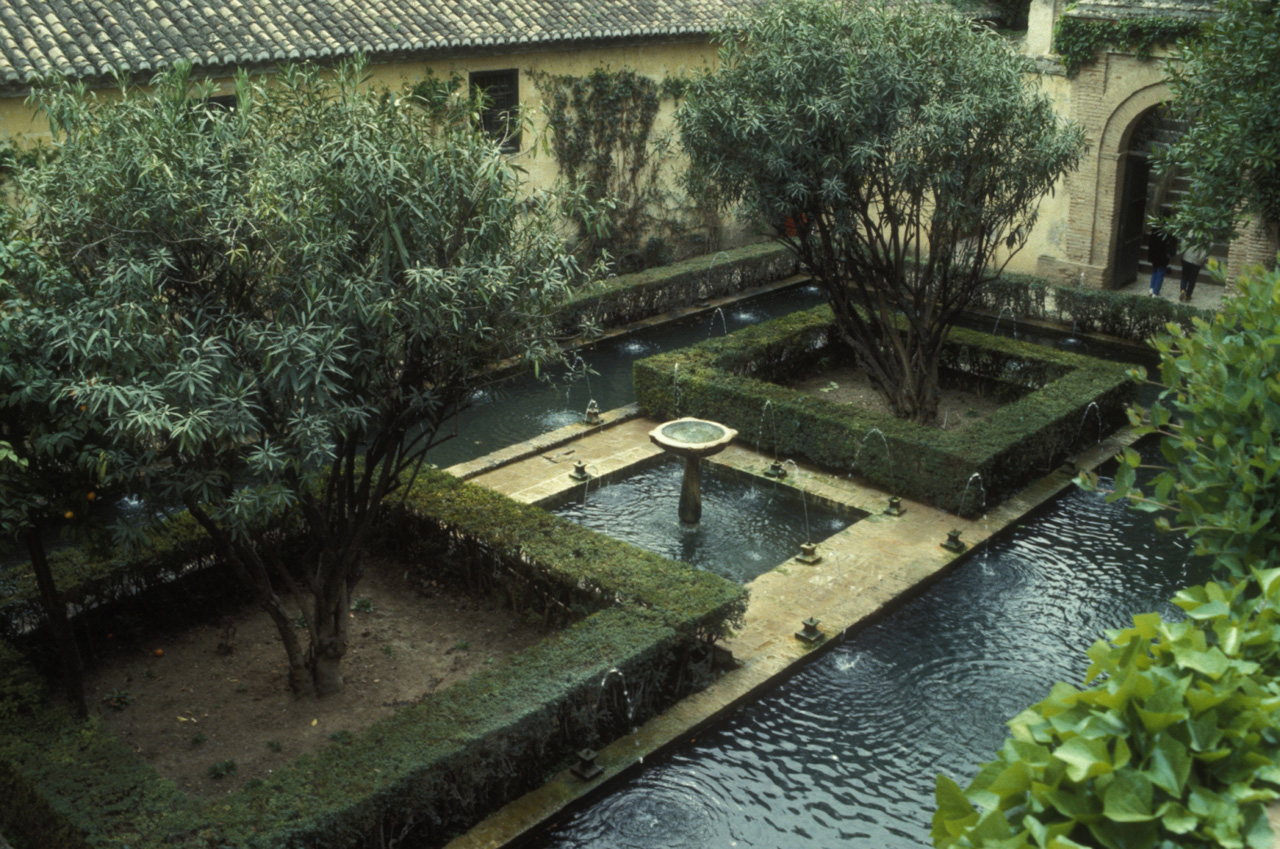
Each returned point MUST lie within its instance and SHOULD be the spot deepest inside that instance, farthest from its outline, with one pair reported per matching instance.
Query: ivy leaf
(1084, 758)
(1128, 797)
(1170, 766)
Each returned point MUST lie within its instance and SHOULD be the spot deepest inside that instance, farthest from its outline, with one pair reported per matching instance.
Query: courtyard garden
(244, 606)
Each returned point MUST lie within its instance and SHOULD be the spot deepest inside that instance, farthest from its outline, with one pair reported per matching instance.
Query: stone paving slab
(866, 570)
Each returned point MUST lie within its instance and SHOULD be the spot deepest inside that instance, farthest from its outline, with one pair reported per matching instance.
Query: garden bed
(633, 640)
(1069, 402)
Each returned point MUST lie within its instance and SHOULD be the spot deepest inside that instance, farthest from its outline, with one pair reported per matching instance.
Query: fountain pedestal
(692, 439)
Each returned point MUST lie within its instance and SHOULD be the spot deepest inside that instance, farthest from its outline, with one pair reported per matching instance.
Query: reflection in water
(746, 528)
(846, 752)
(524, 407)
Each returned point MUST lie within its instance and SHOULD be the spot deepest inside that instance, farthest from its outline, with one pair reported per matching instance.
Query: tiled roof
(91, 38)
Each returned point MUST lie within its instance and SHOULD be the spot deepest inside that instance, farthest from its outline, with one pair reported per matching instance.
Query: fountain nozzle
(586, 768)
(593, 413)
(809, 555)
(895, 506)
(775, 470)
(810, 632)
(953, 542)
(580, 473)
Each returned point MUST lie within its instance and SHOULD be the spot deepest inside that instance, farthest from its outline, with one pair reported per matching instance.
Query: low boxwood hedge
(631, 297)
(730, 379)
(1135, 316)
(434, 767)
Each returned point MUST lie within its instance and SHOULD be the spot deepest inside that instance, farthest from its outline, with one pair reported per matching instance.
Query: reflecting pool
(845, 752)
(747, 528)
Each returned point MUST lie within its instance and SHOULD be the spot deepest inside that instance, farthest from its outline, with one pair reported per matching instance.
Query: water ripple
(845, 753)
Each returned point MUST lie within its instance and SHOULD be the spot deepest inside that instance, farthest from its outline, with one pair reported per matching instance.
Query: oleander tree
(276, 309)
(1226, 88)
(54, 455)
(897, 149)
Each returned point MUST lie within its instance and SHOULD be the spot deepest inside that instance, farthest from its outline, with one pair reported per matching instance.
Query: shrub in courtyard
(1173, 741)
(896, 149)
(274, 309)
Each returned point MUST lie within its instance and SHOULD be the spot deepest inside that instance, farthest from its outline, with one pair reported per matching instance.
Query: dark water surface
(845, 753)
(524, 407)
(746, 528)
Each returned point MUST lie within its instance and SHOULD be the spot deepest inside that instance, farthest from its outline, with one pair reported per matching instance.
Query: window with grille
(500, 118)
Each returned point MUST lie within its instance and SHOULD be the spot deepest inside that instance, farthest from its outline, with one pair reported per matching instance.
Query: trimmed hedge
(631, 297)
(434, 767)
(1136, 317)
(730, 380)
(89, 579)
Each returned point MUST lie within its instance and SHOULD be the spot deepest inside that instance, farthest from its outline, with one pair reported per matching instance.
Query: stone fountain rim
(692, 449)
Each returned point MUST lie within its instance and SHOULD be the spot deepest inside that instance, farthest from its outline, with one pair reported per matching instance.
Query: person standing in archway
(1161, 247)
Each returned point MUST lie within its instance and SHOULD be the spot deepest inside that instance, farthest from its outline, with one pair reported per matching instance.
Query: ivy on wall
(1078, 40)
(601, 131)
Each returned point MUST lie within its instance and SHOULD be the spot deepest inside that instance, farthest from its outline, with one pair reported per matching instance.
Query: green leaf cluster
(1173, 744)
(865, 135)
(601, 131)
(1077, 40)
(1176, 741)
(1226, 87)
(1219, 416)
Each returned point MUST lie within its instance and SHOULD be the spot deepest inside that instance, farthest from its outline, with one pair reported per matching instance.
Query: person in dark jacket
(1161, 247)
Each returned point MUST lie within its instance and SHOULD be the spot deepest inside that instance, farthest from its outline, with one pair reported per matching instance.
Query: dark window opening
(500, 111)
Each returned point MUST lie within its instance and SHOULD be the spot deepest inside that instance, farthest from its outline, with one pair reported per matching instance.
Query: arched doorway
(1143, 192)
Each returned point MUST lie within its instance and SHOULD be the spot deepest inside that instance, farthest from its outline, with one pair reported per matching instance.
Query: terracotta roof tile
(94, 37)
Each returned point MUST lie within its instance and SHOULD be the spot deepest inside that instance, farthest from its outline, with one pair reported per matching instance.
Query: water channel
(845, 753)
(523, 407)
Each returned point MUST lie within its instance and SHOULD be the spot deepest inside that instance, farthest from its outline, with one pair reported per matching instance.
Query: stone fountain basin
(692, 438)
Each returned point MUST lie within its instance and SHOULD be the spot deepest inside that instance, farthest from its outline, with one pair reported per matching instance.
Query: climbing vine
(1078, 40)
(601, 135)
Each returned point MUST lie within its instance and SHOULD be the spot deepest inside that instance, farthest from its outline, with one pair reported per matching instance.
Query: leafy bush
(1174, 743)
(730, 379)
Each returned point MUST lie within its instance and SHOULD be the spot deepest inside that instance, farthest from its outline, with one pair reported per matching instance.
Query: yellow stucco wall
(655, 60)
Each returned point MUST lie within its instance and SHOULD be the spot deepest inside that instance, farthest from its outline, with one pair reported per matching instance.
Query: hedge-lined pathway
(866, 570)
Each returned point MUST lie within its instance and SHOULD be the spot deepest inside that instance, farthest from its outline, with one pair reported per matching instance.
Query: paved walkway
(1208, 295)
(865, 571)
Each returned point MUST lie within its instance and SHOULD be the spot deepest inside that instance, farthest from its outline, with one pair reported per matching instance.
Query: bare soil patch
(191, 709)
(958, 409)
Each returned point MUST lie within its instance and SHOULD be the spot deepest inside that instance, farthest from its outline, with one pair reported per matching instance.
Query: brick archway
(1096, 188)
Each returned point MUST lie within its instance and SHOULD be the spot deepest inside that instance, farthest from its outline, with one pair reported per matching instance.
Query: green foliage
(1218, 416)
(600, 129)
(865, 134)
(1113, 313)
(22, 688)
(1227, 86)
(631, 297)
(221, 769)
(730, 379)
(275, 307)
(1077, 40)
(1173, 744)
(442, 762)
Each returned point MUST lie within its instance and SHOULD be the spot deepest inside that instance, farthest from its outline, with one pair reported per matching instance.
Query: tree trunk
(331, 640)
(56, 610)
